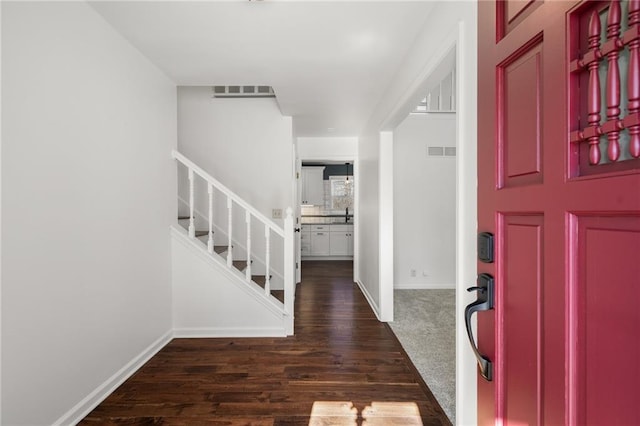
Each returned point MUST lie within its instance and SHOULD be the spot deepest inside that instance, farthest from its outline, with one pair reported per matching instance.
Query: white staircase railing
(270, 228)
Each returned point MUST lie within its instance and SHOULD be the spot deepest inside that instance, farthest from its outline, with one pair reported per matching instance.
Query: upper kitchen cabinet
(312, 185)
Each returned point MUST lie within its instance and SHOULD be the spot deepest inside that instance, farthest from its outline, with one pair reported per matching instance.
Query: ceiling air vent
(243, 92)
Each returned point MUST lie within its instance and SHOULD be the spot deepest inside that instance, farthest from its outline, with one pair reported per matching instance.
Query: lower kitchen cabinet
(327, 240)
(305, 240)
(341, 240)
(320, 242)
(339, 245)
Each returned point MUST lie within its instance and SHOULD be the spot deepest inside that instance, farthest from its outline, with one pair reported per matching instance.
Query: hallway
(342, 367)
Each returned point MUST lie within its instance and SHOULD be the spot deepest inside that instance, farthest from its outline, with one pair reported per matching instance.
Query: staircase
(250, 250)
(240, 265)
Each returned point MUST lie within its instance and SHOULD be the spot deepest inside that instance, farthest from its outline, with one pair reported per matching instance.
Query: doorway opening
(327, 204)
(424, 233)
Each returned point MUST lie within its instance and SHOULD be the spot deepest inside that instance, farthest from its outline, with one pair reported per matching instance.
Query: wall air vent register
(441, 151)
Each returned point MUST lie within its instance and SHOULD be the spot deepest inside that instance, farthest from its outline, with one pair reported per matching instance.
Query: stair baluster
(192, 226)
(210, 244)
(229, 232)
(248, 269)
(289, 268)
(267, 260)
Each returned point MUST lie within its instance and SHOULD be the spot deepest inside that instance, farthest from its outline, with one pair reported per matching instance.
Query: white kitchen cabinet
(320, 240)
(326, 240)
(350, 243)
(341, 243)
(313, 185)
(305, 240)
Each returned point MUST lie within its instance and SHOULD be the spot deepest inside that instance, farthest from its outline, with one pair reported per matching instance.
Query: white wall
(385, 211)
(244, 143)
(450, 24)
(247, 145)
(431, 48)
(424, 203)
(87, 178)
(0, 216)
(324, 148)
(367, 218)
(207, 302)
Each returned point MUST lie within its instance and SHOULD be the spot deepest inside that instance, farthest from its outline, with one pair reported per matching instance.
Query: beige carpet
(425, 325)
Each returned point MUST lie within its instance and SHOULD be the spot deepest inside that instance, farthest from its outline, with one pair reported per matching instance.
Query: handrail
(229, 193)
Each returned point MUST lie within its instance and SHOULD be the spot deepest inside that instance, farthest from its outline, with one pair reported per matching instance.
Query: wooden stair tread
(220, 249)
(201, 233)
(240, 264)
(184, 217)
(278, 294)
(260, 279)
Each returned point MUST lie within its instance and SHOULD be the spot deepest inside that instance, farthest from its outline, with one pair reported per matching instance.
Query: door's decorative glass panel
(632, 38)
(605, 87)
(613, 83)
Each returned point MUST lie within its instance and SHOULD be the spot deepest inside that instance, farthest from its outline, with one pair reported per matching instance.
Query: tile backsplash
(324, 209)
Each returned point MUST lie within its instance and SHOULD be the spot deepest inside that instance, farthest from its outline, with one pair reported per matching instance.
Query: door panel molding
(519, 111)
(604, 294)
(520, 317)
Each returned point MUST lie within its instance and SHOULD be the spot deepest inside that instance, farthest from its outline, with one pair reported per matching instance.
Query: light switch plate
(276, 213)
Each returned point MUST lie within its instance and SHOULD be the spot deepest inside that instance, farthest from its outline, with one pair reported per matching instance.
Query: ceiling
(329, 62)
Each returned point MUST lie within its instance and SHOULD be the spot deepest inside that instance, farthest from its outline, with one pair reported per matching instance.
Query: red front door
(559, 188)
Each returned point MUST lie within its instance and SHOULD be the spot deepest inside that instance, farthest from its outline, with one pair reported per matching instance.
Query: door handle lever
(485, 289)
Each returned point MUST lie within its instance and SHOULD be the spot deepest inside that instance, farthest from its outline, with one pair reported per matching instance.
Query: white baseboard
(214, 332)
(367, 296)
(91, 401)
(314, 258)
(424, 286)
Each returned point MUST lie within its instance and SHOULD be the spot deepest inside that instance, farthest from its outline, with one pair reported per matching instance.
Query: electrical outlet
(413, 273)
(276, 213)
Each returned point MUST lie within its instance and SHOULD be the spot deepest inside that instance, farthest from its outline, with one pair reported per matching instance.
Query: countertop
(335, 219)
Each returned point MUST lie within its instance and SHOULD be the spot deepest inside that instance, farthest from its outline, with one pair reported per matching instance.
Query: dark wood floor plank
(342, 367)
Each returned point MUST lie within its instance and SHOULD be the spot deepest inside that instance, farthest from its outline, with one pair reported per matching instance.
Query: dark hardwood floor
(342, 367)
